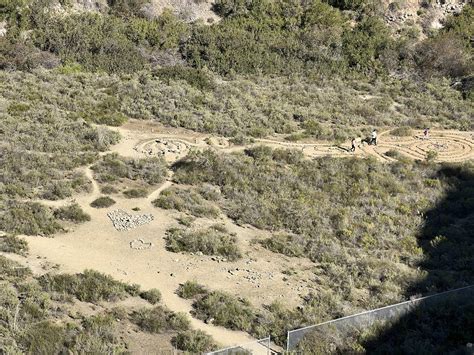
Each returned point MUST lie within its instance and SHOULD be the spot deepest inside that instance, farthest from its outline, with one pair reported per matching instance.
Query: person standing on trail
(426, 133)
(353, 145)
(373, 139)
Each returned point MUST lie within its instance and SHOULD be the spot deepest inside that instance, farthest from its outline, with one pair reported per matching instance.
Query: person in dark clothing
(353, 145)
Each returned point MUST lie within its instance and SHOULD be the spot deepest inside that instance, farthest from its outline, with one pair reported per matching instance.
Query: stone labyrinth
(450, 147)
(169, 148)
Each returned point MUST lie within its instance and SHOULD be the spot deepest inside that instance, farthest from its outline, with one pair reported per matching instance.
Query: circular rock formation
(170, 149)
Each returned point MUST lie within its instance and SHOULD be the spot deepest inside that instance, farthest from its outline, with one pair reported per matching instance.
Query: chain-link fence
(258, 347)
(366, 319)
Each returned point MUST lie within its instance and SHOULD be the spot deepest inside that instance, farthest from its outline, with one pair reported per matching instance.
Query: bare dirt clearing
(138, 255)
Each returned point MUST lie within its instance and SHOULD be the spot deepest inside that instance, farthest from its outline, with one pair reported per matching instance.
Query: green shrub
(194, 77)
(102, 202)
(126, 8)
(72, 213)
(159, 319)
(186, 201)
(44, 338)
(89, 286)
(195, 341)
(135, 193)
(112, 167)
(100, 42)
(402, 131)
(225, 310)
(108, 190)
(392, 153)
(209, 241)
(153, 295)
(431, 156)
(13, 244)
(186, 220)
(12, 271)
(286, 244)
(57, 190)
(190, 289)
(30, 218)
(98, 334)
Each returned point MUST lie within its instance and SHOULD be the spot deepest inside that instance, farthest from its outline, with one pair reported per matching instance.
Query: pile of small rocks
(124, 221)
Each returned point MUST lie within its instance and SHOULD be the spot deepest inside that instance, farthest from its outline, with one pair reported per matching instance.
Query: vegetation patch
(30, 218)
(71, 213)
(402, 131)
(12, 271)
(159, 319)
(153, 295)
(286, 244)
(13, 244)
(195, 341)
(135, 193)
(214, 240)
(191, 289)
(103, 202)
(186, 200)
(108, 190)
(225, 310)
(114, 168)
(89, 286)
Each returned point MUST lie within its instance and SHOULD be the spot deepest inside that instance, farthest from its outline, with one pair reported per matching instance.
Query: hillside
(180, 174)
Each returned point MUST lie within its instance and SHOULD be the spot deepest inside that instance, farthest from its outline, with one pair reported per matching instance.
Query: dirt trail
(98, 245)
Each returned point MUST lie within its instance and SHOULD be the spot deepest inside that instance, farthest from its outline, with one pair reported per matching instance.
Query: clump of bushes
(72, 213)
(103, 202)
(30, 218)
(12, 271)
(195, 341)
(225, 310)
(286, 244)
(186, 200)
(159, 319)
(108, 189)
(404, 131)
(190, 289)
(214, 240)
(112, 168)
(186, 220)
(194, 77)
(135, 193)
(44, 337)
(13, 244)
(153, 295)
(89, 286)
